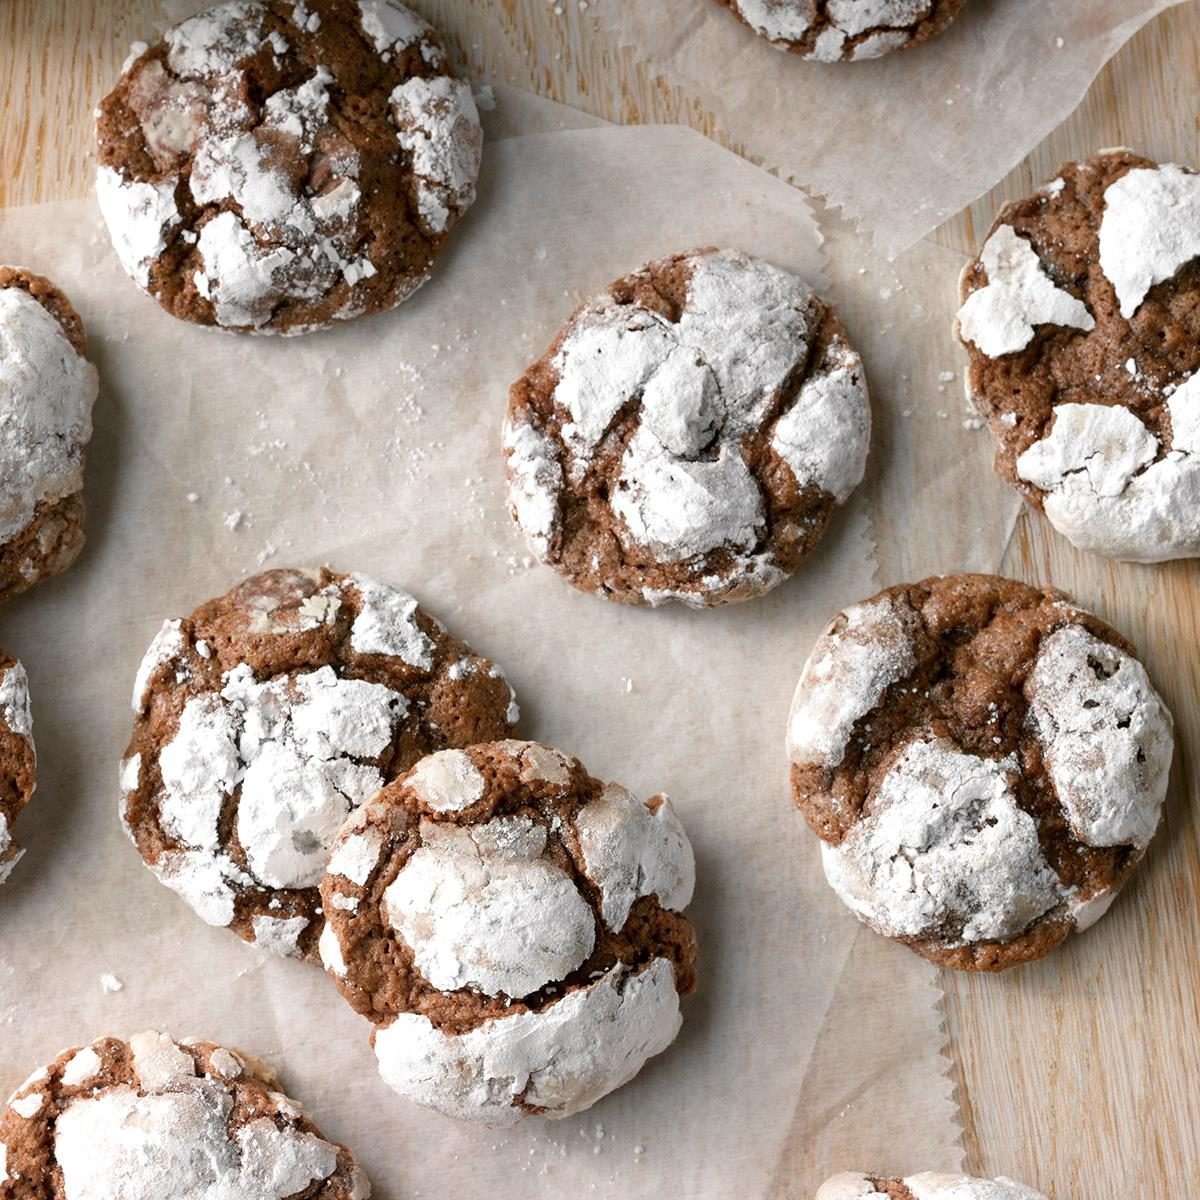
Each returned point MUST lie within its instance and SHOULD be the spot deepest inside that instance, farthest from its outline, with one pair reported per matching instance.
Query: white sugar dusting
(1002, 317)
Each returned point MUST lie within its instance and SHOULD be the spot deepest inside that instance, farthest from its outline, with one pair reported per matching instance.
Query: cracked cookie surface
(267, 715)
(18, 759)
(928, 1185)
(274, 167)
(839, 30)
(155, 1119)
(1081, 318)
(984, 762)
(688, 434)
(512, 928)
(47, 390)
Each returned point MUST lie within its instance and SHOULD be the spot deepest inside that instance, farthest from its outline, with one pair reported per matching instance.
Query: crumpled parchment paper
(812, 1044)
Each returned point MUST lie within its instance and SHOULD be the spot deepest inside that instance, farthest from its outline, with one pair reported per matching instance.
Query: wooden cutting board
(1081, 1074)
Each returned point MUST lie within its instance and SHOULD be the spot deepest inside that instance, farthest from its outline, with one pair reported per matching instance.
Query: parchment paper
(812, 1044)
(899, 143)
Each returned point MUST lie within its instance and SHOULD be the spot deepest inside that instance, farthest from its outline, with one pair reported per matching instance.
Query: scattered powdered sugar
(1002, 317)
(560, 1060)
(484, 907)
(1107, 737)
(437, 124)
(174, 1134)
(928, 1186)
(1107, 488)
(390, 26)
(447, 781)
(866, 649)
(1150, 228)
(47, 391)
(703, 382)
(631, 849)
(944, 850)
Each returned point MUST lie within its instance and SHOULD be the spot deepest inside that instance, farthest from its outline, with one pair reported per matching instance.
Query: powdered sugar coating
(984, 763)
(709, 381)
(501, 928)
(632, 849)
(16, 739)
(842, 29)
(1113, 488)
(945, 847)
(47, 389)
(557, 1062)
(447, 781)
(169, 1122)
(928, 1186)
(1002, 317)
(1150, 228)
(255, 768)
(472, 904)
(1107, 736)
(868, 648)
(286, 216)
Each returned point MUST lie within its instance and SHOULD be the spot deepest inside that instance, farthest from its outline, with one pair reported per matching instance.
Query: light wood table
(1083, 1073)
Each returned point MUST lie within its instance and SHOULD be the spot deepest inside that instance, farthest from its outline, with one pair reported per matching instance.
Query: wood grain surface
(1081, 1074)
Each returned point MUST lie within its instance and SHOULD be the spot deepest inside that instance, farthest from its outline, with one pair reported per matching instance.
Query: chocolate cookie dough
(984, 762)
(152, 1118)
(926, 1186)
(688, 434)
(18, 760)
(511, 927)
(273, 166)
(1082, 321)
(266, 716)
(47, 389)
(836, 30)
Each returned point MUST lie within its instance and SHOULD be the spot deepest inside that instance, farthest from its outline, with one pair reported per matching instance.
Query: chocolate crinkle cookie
(18, 760)
(47, 389)
(155, 1119)
(837, 30)
(689, 433)
(511, 927)
(984, 763)
(276, 166)
(926, 1186)
(1081, 317)
(270, 713)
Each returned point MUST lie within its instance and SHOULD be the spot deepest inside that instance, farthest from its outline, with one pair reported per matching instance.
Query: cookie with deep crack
(273, 167)
(929, 1185)
(984, 763)
(18, 759)
(266, 716)
(513, 929)
(47, 389)
(689, 433)
(152, 1117)
(1081, 318)
(845, 30)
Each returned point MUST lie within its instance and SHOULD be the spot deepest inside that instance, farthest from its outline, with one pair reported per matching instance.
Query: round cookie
(266, 716)
(47, 389)
(984, 763)
(1081, 318)
(926, 1186)
(18, 760)
(276, 166)
(152, 1117)
(511, 927)
(839, 30)
(688, 434)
